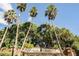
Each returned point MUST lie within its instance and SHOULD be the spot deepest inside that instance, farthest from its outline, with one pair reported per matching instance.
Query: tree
(10, 37)
(21, 7)
(40, 35)
(51, 12)
(33, 13)
(9, 16)
(45, 39)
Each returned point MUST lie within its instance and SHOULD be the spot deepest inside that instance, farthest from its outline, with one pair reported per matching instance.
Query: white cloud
(29, 19)
(3, 22)
(5, 6)
(1, 14)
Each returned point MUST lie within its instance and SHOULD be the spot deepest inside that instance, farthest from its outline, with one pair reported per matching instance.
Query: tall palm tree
(51, 12)
(9, 16)
(33, 13)
(21, 7)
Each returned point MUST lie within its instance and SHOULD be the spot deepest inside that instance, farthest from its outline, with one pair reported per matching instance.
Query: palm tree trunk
(16, 41)
(15, 47)
(3, 37)
(58, 41)
(25, 39)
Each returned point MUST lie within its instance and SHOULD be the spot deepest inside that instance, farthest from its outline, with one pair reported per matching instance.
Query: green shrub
(5, 52)
(55, 46)
(28, 45)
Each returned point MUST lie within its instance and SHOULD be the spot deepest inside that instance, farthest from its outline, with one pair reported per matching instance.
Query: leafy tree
(10, 37)
(29, 35)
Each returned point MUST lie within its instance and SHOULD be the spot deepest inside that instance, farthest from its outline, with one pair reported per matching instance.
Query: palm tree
(51, 12)
(9, 16)
(22, 8)
(33, 13)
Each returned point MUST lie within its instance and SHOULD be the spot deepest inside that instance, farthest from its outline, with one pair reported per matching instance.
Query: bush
(5, 52)
(28, 45)
(55, 46)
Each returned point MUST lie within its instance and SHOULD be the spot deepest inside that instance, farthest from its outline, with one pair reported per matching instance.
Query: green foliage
(28, 45)
(10, 16)
(33, 12)
(42, 35)
(21, 6)
(5, 52)
(55, 46)
(51, 12)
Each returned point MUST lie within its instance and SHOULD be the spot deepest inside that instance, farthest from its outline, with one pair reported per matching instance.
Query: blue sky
(68, 15)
